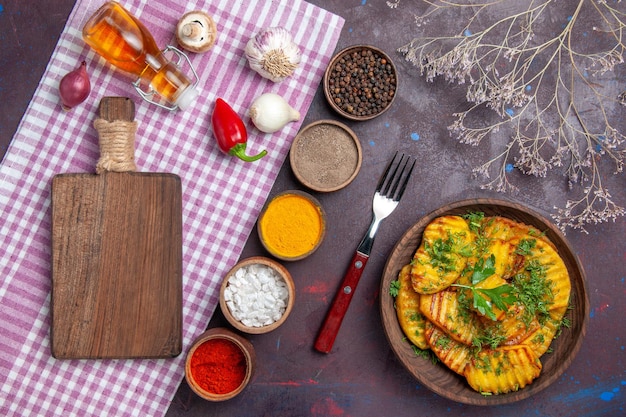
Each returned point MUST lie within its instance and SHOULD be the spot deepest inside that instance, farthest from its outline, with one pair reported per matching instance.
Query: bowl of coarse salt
(257, 295)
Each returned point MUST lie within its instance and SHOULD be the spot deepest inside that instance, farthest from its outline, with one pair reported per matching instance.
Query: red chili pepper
(230, 132)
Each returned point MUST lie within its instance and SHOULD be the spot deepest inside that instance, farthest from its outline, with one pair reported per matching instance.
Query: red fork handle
(341, 302)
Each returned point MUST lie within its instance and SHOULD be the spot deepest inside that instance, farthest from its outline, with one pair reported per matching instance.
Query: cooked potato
(508, 262)
(555, 272)
(442, 309)
(516, 327)
(408, 310)
(512, 231)
(453, 354)
(442, 255)
(505, 229)
(502, 370)
(540, 339)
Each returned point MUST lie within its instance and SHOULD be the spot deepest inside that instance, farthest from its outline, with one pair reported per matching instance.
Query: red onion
(75, 87)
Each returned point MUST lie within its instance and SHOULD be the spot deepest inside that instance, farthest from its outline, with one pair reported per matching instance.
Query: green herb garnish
(534, 292)
(525, 247)
(484, 269)
(475, 221)
(444, 253)
(481, 245)
(485, 298)
(394, 288)
(424, 353)
(440, 252)
(491, 336)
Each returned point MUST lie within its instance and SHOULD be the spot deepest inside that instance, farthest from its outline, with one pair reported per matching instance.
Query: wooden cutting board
(116, 260)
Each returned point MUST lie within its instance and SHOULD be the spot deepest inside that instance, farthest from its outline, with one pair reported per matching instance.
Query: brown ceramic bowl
(279, 228)
(240, 343)
(436, 376)
(279, 271)
(376, 96)
(325, 156)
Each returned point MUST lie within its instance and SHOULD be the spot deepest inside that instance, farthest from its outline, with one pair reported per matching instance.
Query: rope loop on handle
(117, 145)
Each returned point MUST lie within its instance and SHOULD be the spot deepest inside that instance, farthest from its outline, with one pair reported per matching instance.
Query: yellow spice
(291, 226)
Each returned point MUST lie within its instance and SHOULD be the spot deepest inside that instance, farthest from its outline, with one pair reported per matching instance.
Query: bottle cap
(187, 97)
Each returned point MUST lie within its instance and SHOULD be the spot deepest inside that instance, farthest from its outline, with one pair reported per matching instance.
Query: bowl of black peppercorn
(360, 82)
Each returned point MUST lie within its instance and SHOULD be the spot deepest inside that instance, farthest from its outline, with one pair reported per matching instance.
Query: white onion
(270, 112)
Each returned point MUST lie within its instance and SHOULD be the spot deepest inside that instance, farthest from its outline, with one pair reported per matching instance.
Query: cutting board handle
(116, 132)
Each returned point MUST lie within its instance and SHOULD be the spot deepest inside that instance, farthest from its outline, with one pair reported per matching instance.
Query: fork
(389, 190)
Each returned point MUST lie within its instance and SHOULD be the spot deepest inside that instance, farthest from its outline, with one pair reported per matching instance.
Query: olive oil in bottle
(126, 43)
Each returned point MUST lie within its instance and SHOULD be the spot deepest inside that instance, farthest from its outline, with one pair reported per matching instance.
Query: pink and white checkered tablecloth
(222, 196)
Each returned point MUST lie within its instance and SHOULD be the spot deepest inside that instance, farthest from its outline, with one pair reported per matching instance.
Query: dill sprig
(534, 291)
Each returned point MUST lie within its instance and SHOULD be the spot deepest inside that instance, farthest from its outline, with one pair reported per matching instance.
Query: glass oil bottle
(126, 43)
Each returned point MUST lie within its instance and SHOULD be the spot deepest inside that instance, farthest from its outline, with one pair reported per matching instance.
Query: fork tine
(392, 185)
(406, 181)
(387, 179)
(383, 177)
(395, 180)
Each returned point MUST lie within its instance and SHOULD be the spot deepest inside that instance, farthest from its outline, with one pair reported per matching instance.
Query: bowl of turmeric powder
(219, 365)
(292, 225)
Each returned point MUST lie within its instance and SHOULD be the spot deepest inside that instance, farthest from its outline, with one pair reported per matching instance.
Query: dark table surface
(362, 377)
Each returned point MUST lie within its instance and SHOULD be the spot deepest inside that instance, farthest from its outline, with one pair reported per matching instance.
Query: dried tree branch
(550, 90)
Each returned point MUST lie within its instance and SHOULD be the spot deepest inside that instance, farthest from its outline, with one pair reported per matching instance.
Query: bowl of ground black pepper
(325, 156)
(360, 82)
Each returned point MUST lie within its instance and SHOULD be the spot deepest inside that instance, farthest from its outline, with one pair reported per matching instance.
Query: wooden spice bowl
(280, 272)
(241, 345)
(436, 376)
(355, 94)
(289, 231)
(326, 156)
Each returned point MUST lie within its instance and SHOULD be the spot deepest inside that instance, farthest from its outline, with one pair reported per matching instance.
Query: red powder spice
(218, 366)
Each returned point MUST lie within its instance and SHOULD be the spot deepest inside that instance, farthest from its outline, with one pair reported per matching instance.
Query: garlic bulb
(270, 113)
(273, 53)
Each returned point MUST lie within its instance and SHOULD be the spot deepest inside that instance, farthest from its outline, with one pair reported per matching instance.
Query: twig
(548, 89)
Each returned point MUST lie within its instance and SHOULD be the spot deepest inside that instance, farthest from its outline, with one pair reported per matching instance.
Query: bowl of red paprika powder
(219, 364)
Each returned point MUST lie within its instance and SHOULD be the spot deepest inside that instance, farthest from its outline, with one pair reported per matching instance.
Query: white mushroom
(196, 31)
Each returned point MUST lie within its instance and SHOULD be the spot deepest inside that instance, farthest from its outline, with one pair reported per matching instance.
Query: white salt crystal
(257, 295)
